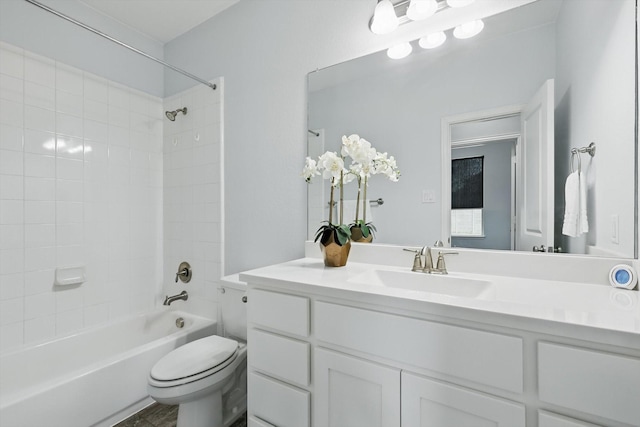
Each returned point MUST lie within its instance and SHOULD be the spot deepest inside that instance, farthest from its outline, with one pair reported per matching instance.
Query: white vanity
(379, 345)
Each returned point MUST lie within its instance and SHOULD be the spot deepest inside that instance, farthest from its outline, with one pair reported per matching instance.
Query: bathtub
(93, 378)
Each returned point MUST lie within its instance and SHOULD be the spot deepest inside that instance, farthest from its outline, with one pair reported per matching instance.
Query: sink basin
(450, 284)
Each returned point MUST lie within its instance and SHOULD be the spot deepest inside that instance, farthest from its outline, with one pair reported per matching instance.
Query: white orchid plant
(366, 161)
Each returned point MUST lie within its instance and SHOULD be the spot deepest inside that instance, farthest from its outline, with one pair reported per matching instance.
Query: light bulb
(384, 18)
(468, 30)
(432, 40)
(459, 3)
(421, 9)
(399, 51)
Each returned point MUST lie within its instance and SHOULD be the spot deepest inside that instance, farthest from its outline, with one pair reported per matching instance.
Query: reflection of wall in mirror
(476, 76)
(594, 102)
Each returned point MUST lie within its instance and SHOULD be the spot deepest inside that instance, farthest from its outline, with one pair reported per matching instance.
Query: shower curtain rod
(108, 37)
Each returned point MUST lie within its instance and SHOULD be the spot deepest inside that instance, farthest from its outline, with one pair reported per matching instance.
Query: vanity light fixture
(459, 3)
(384, 18)
(468, 30)
(399, 51)
(421, 9)
(432, 40)
(387, 16)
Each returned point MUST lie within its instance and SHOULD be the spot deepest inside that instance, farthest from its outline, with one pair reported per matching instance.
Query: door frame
(445, 147)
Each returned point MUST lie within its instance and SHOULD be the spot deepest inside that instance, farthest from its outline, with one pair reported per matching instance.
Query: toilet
(207, 378)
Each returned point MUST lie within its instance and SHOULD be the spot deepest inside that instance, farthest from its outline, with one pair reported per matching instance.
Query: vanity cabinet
(333, 359)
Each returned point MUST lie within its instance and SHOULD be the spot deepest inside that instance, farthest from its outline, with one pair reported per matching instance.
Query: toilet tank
(232, 312)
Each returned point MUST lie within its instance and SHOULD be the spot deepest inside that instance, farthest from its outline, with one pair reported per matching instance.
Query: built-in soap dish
(70, 276)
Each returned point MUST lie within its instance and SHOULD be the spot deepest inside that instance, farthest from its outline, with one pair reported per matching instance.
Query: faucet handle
(417, 262)
(438, 244)
(184, 272)
(440, 265)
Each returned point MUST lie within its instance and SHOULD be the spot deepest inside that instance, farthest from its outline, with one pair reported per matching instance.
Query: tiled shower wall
(80, 185)
(192, 196)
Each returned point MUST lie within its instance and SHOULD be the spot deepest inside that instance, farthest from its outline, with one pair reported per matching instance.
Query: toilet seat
(194, 361)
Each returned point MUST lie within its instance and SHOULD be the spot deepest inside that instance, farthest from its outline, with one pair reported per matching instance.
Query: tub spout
(169, 299)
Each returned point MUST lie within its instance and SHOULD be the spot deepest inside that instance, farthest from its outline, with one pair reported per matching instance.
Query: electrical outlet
(615, 229)
(428, 196)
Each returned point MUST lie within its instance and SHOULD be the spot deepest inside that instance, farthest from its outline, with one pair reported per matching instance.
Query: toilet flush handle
(244, 298)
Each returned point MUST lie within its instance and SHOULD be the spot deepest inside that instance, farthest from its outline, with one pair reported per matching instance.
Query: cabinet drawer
(276, 403)
(598, 383)
(483, 357)
(548, 419)
(286, 313)
(281, 357)
(426, 402)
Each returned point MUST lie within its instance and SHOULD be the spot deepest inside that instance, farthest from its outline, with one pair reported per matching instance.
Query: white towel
(575, 211)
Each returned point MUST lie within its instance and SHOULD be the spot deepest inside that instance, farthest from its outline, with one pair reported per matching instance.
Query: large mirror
(476, 98)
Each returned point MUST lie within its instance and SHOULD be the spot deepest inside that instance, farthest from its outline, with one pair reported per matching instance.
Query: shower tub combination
(94, 378)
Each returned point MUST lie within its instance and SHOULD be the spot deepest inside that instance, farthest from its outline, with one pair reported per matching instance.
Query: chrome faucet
(169, 299)
(427, 266)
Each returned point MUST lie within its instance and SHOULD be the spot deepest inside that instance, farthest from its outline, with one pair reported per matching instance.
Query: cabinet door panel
(354, 392)
(598, 383)
(428, 403)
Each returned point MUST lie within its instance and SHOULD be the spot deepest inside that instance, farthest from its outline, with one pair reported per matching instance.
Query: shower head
(171, 115)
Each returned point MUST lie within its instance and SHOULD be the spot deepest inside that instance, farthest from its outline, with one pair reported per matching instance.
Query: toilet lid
(193, 358)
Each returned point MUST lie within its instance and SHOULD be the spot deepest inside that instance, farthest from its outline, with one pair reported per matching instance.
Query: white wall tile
(11, 61)
(39, 235)
(96, 110)
(69, 79)
(11, 311)
(69, 191)
(11, 261)
(39, 212)
(39, 329)
(11, 212)
(38, 165)
(69, 212)
(11, 162)
(69, 169)
(39, 69)
(12, 113)
(39, 142)
(11, 187)
(69, 103)
(39, 258)
(38, 95)
(69, 321)
(11, 236)
(11, 88)
(39, 118)
(11, 137)
(39, 305)
(11, 336)
(70, 147)
(39, 189)
(69, 125)
(11, 286)
(38, 282)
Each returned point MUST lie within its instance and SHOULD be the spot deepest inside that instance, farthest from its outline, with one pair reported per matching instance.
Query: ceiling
(162, 20)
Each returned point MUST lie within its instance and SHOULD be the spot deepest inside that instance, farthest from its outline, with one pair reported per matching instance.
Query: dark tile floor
(158, 415)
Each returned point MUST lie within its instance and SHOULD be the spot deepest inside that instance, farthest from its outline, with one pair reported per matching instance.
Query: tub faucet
(169, 299)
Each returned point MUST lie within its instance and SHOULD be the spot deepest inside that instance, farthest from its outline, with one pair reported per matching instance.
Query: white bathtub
(93, 378)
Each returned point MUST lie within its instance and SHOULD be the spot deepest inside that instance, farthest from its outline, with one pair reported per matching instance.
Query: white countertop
(586, 305)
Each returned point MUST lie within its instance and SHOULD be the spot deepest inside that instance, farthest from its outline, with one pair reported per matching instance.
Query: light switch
(428, 196)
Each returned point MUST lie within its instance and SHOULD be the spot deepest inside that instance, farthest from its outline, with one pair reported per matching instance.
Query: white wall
(80, 184)
(29, 27)
(594, 87)
(192, 202)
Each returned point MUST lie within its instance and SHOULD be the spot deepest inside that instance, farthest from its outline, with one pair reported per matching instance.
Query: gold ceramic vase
(334, 255)
(356, 236)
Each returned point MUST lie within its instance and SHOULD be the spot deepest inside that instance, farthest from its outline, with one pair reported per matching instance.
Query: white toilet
(208, 377)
